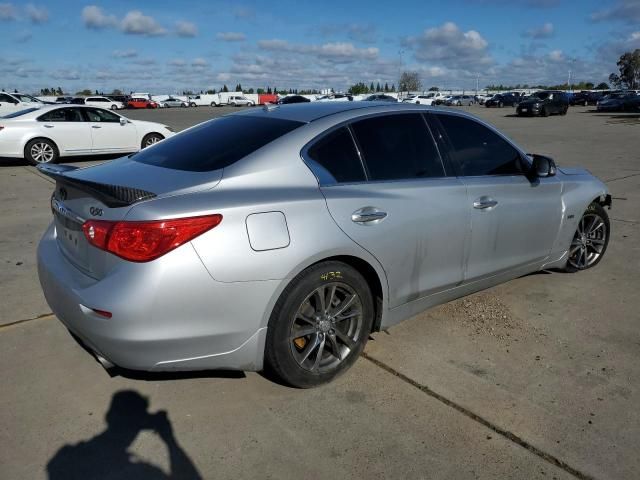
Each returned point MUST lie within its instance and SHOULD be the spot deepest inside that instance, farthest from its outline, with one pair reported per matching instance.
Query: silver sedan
(282, 237)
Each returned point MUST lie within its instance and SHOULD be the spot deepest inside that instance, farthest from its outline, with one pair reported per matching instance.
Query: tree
(378, 87)
(629, 67)
(602, 86)
(393, 87)
(386, 87)
(358, 89)
(409, 82)
(116, 92)
(224, 88)
(434, 89)
(371, 87)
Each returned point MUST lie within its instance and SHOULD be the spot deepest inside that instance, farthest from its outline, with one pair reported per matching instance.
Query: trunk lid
(107, 192)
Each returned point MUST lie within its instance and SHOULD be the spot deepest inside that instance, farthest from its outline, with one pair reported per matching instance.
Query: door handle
(48, 126)
(484, 203)
(368, 215)
(96, 126)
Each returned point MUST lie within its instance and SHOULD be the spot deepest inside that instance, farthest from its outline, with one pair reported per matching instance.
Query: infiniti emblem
(59, 207)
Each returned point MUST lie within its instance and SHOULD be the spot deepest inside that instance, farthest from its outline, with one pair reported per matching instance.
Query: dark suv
(544, 103)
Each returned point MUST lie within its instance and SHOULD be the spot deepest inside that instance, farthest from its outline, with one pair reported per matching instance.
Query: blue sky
(170, 46)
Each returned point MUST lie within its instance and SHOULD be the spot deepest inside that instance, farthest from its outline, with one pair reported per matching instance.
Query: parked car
(293, 99)
(544, 103)
(335, 97)
(301, 249)
(14, 102)
(502, 100)
(44, 135)
(594, 97)
(103, 102)
(483, 97)
(204, 99)
(428, 98)
(240, 101)
(380, 97)
(119, 98)
(64, 99)
(459, 100)
(579, 98)
(172, 102)
(139, 102)
(618, 102)
(77, 101)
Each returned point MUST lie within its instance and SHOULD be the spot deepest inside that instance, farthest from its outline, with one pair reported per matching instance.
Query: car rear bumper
(165, 317)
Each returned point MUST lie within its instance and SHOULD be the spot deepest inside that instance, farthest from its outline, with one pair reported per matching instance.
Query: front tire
(41, 150)
(500, 105)
(319, 325)
(151, 139)
(591, 239)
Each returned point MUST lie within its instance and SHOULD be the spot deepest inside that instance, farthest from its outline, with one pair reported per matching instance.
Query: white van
(204, 99)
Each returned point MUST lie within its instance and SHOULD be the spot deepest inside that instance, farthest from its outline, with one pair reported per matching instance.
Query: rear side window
(62, 115)
(99, 115)
(216, 144)
(478, 150)
(398, 147)
(336, 154)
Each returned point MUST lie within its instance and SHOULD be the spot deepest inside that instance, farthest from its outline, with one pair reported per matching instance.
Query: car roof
(312, 111)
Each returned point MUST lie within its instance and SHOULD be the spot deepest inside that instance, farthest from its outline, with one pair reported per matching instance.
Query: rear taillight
(145, 241)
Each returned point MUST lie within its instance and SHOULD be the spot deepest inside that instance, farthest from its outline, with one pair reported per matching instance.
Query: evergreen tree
(378, 87)
(224, 88)
(386, 87)
(371, 88)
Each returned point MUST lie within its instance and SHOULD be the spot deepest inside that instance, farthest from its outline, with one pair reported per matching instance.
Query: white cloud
(37, 14)
(245, 13)
(544, 31)
(136, 23)
(129, 53)
(177, 62)
(338, 51)
(450, 46)
(186, 29)
(625, 11)
(231, 36)
(7, 12)
(199, 62)
(556, 56)
(94, 17)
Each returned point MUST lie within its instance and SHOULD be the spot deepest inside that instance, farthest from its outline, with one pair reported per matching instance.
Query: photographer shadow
(106, 455)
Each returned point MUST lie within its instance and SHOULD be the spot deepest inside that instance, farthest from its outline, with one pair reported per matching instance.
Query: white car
(43, 135)
(427, 99)
(240, 100)
(14, 102)
(103, 102)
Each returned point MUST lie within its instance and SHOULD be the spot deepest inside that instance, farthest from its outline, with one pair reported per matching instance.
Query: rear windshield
(215, 144)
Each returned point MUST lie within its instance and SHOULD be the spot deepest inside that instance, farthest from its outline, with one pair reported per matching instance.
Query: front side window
(4, 98)
(62, 115)
(99, 115)
(478, 150)
(216, 144)
(398, 147)
(336, 155)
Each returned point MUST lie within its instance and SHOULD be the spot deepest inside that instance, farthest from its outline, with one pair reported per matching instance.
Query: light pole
(400, 52)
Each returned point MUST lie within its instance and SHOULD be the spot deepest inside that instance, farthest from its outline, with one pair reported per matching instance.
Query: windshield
(26, 98)
(20, 113)
(215, 144)
(541, 95)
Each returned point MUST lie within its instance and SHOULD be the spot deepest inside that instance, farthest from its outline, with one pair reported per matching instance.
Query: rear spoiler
(112, 196)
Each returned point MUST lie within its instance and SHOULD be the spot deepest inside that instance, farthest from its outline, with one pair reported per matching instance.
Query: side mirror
(123, 121)
(542, 166)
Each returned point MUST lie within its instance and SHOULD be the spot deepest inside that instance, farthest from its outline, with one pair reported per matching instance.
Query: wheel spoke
(335, 347)
(344, 305)
(595, 228)
(310, 348)
(305, 318)
(316, 364)
(320, 293)
(344, 338)
(332, 293)
(303, 332)
(353, 313)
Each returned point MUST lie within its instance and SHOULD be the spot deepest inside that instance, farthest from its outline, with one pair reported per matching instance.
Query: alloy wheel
(588, 242)
(42, 152)
(152, 140)
(326, 327)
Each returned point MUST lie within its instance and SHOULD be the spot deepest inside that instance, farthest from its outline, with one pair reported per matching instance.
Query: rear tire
(319, 325)
(151, 139)
(591, 239)
(544, 112)
(40, 151)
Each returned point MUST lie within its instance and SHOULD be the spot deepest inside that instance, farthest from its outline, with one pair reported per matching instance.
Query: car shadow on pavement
(106, 456)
